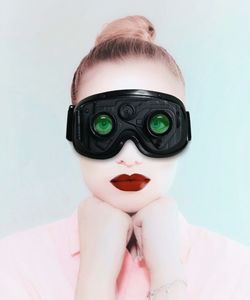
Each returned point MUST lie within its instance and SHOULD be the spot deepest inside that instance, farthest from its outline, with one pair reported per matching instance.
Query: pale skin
(110, 214)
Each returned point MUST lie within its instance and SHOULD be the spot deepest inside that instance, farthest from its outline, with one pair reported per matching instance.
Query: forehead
(130, 74)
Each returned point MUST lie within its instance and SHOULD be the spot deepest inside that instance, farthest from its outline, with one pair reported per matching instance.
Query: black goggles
(100, 124)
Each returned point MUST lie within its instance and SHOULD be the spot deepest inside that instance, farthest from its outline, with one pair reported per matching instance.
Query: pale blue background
(42, 42)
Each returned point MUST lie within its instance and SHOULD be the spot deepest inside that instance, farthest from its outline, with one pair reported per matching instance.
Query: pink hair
(123, 38)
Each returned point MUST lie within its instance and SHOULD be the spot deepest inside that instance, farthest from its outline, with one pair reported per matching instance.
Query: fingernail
(139, 254)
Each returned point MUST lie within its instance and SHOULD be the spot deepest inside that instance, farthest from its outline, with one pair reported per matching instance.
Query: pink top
(42, 263)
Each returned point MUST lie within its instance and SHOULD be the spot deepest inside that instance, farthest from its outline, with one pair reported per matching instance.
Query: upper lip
(126, 177)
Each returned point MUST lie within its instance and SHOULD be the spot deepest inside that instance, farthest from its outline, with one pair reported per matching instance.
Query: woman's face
(136, 73)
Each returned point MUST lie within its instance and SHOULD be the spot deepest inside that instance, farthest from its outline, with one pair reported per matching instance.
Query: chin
(130, 210)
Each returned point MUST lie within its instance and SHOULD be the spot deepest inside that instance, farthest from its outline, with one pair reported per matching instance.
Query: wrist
(161, 276)
(177, 289)
(105, 279)
(87, 284)
(97, 268)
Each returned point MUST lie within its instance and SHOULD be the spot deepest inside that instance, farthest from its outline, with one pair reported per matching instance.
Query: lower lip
(132, 185)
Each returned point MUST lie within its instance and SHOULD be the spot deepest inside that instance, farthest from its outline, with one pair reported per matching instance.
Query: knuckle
(124, 218)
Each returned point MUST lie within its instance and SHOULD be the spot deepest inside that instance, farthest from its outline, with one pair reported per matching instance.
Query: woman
(123, 243)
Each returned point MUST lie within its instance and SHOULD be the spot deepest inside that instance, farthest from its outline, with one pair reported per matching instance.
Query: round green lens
(159, 123)
(103, 124)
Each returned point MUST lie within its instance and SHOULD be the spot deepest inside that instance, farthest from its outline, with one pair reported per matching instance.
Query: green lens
(103, 124)
(159, 123)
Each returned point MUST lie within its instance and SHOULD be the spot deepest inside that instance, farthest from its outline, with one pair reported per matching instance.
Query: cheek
(92, 176)
(89, 165)
(95, 172)
(164, 165)
(88, 168)
(164, 173)
(169, 165)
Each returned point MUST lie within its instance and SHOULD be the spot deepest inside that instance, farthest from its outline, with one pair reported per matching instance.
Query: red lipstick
(134, 182)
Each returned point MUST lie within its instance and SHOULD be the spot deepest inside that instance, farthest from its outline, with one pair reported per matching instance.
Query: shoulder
(35, 263)
(43, 230)
(219, 262)
(23, 245)
(215, 244)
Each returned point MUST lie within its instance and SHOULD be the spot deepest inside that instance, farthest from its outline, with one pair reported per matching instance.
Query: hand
(104, 232)
(156, 228)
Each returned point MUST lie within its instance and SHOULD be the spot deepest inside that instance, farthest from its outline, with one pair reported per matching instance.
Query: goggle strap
(189, 127)
(69, 131)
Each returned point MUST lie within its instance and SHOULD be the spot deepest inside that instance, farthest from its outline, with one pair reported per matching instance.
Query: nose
(129, 155)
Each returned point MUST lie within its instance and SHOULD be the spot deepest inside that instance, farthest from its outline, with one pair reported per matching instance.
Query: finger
(140, 253)
(137, 220)
(130, 231)
(138, 235)
(137, 226)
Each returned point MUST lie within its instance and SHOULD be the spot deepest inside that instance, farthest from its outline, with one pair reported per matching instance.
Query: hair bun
(128, 27)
